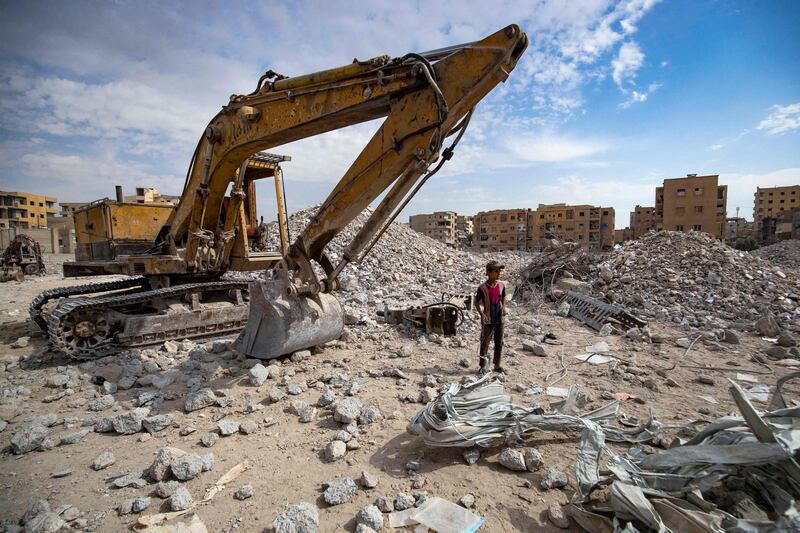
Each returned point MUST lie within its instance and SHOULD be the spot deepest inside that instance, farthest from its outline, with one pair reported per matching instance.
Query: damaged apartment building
(776, 214)
(693, 203)
(532, 230)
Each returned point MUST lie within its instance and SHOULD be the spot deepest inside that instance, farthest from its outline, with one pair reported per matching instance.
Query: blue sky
(610, 98)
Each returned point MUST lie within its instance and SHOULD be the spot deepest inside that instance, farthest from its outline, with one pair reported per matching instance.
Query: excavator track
(38, 303)
(86, 328)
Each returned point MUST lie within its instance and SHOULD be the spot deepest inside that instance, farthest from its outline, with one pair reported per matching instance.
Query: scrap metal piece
(595, 313)
(442, 318)
(23, 256)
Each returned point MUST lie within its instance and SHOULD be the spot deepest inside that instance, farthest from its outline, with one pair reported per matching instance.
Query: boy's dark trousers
(488, 332)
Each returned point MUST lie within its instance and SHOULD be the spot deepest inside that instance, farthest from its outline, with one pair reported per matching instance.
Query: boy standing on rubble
(490, 302)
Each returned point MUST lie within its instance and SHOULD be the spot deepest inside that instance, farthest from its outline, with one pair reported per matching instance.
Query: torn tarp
(698, 485)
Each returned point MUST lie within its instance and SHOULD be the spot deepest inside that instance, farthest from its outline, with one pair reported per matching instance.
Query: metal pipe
(118, 190)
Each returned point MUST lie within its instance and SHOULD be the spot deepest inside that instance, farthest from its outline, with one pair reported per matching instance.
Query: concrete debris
(227, 427)
(339, 491)
(512, 459)
(248, 427)
(134, 479)
(28, 437)
(104, 460)
(686, 278)
(556, 515)
(244, 492)
(300, 517)
(180, 500)
(335, 450)
(161, 466)
(131, 421)
(368, 481)
(199, 400)
(102, 403)
(783, 254)
(258, 375)
(140, 504)
(154, 424)
(371, 517)
(74, 438)
(347, 410)
(187, 466)
(165, 489)
(553, 478)
(209, 439)
(404, 501)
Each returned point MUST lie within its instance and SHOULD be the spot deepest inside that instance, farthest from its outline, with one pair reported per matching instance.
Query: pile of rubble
(688, 278)
(404, 268)
(784, 254)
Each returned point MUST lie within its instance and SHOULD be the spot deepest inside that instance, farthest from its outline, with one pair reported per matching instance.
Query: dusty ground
(285, 457)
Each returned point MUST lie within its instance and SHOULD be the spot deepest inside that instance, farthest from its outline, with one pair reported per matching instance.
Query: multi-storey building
(622, 235)
(151, 195)
(440, 226)
(737, 229)
(25, 210)
(587, 225)
(502, 229)
(643, 219)
(772, 201)
(464, 230)
(692, 203)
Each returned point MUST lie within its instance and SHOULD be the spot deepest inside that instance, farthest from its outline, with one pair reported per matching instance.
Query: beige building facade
(643, 219)
(587, 225)
(25, 210)
(693, 203)
(440, 226)
(772, 201)
(501, 229)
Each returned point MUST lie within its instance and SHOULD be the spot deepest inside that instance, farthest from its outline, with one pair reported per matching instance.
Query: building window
(580, 213)
(541, 217)
(679, 227)
(605, 213)
(698, 209)
(32, 215)
(680, 210)
(698, 191)
(681, 192)
(697, 227)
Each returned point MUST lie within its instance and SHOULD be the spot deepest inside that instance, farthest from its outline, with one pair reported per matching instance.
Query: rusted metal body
(23, 256)
(442, 318)
(425, 98)
(595, 313)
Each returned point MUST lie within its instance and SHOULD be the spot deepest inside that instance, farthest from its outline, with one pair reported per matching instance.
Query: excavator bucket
(281, 322)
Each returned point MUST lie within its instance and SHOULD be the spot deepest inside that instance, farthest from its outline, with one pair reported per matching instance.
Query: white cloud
(551, 148)
(716, 146)
(639, 96)
(627, 63)
(781, 119)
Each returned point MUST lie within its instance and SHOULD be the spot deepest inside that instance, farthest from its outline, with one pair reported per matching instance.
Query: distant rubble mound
(687, 278)
(784, 254)
(404, 268)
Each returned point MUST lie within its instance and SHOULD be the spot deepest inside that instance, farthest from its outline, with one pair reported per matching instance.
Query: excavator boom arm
(423, 96)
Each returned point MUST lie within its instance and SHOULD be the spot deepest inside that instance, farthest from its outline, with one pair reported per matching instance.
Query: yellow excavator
(180, 292)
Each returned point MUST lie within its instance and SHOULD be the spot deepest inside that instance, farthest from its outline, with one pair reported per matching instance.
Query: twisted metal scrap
(480, 414)
(665, 491)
